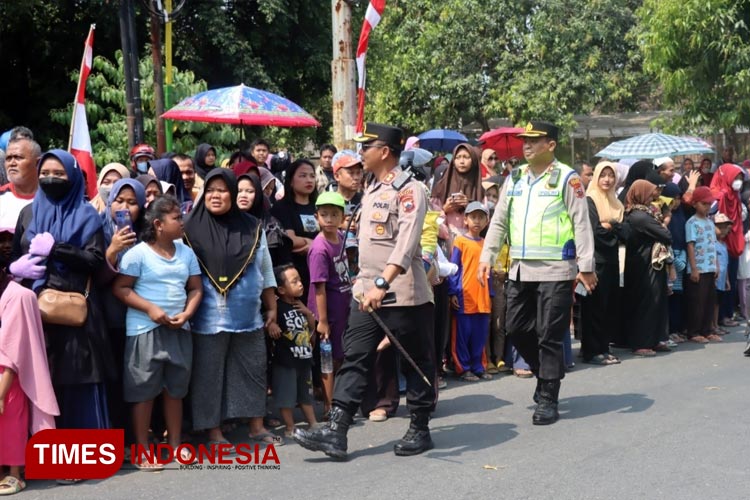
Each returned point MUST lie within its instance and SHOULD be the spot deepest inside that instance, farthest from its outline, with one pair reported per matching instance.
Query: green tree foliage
(699, 52)
(438, 64)
(105, 112)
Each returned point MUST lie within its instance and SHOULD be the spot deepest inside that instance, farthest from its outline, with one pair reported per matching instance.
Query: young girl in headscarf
(461, 184)
(168, 171)
(130, 195)
(646, 312)
(599, 310)
(489, 160)
(63, 229)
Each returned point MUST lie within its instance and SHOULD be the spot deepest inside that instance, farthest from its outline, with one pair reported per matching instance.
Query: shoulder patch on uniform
(575, 183)
(405, 192)
(389, 178)
(407, 203)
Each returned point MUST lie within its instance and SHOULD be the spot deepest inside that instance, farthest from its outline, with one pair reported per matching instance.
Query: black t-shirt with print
(294, 346)
(301, 220)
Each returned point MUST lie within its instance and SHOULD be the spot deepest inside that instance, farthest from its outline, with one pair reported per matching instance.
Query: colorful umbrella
(441, 139)
(653, 146)
(241, 105)
(504, 142)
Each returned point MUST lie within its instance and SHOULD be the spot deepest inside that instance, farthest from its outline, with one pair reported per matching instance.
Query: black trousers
(413, 326)
(537, 317)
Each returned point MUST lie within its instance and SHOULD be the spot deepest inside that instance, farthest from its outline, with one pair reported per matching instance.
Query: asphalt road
(670, 427)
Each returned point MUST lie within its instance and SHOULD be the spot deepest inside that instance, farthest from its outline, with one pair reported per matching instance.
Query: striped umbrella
(653, 146)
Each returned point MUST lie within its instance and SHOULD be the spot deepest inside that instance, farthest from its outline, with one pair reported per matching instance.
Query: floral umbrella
(241, 105)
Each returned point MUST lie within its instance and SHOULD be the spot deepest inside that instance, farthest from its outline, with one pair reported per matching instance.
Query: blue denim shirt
(239, 310)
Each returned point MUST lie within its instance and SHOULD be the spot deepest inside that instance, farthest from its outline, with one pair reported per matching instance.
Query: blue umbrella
(441, 139)
(653, 146)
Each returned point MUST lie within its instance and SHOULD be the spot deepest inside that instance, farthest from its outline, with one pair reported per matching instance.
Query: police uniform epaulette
(397, 180)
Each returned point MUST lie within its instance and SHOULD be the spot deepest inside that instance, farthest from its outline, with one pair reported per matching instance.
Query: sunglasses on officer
(370, 145)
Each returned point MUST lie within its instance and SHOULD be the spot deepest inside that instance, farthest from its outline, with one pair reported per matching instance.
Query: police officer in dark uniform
(390, 271)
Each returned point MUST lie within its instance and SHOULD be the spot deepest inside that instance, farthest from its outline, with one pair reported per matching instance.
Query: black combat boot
(417, 438)
(546, 410)
(538, 388)
(330, 438)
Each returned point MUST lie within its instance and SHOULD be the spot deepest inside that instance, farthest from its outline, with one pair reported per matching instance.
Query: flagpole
(78, 90)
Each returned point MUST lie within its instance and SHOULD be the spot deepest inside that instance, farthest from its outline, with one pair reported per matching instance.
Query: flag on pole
(372, 18)
(80, 141)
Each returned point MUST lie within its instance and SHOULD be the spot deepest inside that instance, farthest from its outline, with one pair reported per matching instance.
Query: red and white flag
(372, 18)
(80, 141)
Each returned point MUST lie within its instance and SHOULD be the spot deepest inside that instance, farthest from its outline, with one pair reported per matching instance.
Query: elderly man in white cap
(665, 167)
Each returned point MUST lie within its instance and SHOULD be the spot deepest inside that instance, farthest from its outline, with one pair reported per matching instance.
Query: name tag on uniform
(382, 205)
(517, 192)
(549, 192)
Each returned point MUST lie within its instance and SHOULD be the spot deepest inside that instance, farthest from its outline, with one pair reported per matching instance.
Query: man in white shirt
(20, 164)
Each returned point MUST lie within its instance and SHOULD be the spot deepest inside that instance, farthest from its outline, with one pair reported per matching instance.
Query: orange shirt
(473, 298)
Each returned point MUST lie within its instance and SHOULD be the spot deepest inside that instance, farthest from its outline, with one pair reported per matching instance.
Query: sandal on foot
(486, 376)
(714, 338)
(11, 485)
(521, 373)
(149, 466)
(644, 353)
(469, 377)
(662, 347)
(699, 339)
(267, 438)
(378, 415)
(602, 360)
(613, 360)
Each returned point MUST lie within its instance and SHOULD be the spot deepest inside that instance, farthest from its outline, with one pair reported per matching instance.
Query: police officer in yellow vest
(542, 212)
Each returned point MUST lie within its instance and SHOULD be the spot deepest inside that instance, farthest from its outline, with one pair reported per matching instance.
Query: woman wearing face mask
(725, 186)
(646, 311)
(59, 244)
(111, 173)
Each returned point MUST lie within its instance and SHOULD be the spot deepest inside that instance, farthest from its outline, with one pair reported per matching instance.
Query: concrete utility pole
(343, 72)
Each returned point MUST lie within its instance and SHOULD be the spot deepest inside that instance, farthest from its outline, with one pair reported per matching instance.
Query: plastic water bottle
(326, 357)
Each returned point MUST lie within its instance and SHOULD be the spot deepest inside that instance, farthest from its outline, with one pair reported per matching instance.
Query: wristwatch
(382, 283)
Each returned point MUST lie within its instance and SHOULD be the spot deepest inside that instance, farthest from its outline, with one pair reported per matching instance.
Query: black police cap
(540, 129)
(392, 136)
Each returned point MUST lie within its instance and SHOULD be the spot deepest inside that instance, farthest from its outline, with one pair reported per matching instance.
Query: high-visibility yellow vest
(540, 227)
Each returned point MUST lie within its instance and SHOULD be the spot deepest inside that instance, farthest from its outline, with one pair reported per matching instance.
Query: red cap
(703, 194)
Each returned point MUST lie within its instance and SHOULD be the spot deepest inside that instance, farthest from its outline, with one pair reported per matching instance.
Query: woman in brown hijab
(646, 310)
(460, 185)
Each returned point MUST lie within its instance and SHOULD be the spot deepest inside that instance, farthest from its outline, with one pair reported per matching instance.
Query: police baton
(360, 298)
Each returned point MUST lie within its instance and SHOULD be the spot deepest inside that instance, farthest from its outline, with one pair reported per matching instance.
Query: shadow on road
(597, 404)
(477, 402)
(454, 440)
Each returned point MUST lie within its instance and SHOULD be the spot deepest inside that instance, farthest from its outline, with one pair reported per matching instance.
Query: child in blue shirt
(160, 283)
(700, 296)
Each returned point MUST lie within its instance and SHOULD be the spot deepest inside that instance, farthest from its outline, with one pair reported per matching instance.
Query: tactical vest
(540, 227)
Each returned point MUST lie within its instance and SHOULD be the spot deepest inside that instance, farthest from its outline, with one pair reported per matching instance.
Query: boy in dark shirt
(292, 365)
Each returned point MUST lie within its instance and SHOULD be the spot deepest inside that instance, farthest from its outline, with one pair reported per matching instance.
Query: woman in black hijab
(228, 329)
(205, 160)
(639, 170)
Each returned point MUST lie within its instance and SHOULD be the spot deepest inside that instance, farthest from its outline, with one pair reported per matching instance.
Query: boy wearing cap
(702, 267)
(329, 279)
(543, 213)
(469, 299)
